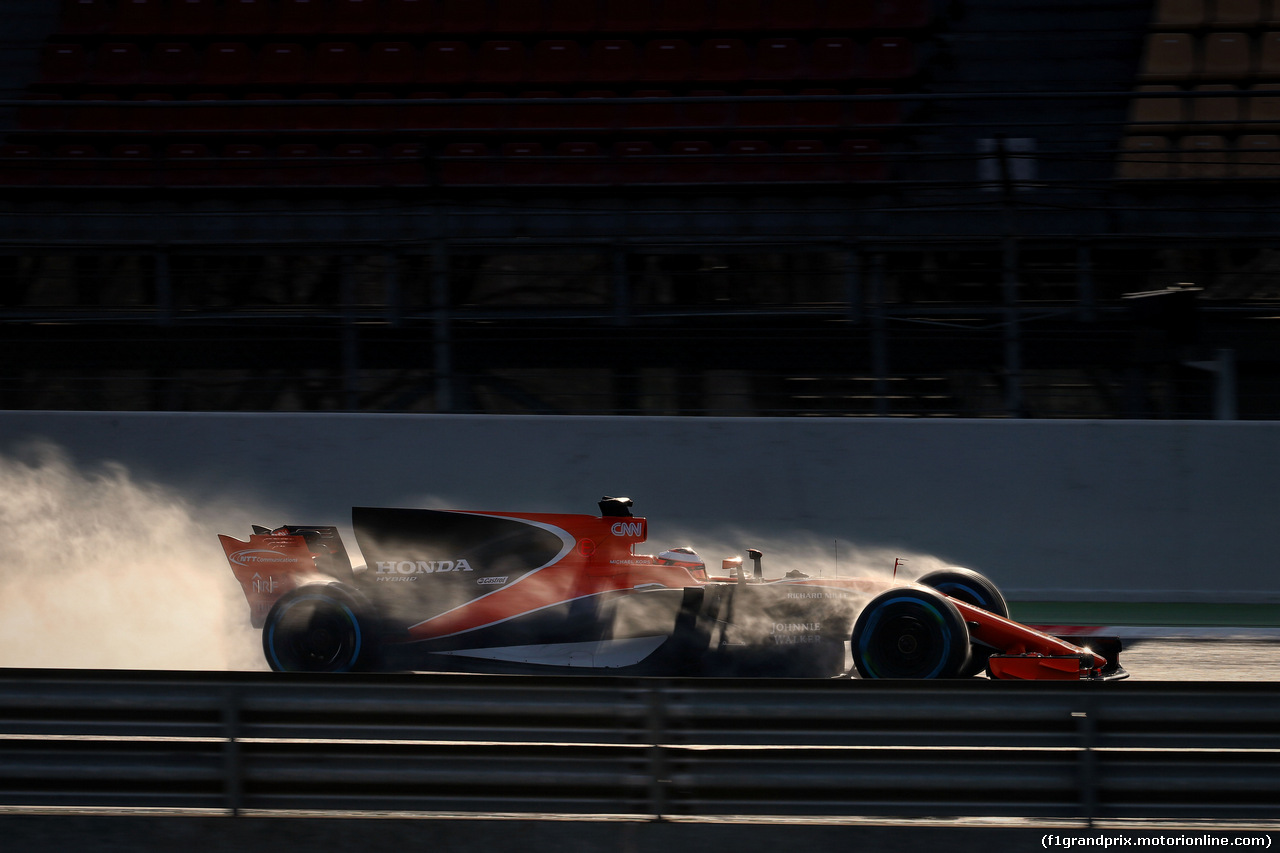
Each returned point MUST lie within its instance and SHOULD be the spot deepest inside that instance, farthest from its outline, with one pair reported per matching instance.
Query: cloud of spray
(98, 570)
(807, 553)
(830, 613)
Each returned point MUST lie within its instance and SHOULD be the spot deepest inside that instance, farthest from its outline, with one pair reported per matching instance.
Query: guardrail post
(1086, 729)
(233, 777)
(657, 755)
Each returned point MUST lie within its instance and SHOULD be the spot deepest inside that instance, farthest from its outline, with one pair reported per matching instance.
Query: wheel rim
(315, 634)
(905, 637)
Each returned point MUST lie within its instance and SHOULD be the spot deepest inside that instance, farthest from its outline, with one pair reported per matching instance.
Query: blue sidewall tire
(910, 633)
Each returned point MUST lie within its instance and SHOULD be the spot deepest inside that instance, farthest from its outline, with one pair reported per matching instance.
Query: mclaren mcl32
(514, 592)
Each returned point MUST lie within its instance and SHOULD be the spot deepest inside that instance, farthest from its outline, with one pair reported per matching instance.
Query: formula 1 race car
(453, 590)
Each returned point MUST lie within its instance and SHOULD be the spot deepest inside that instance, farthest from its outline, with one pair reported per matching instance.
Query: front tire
(971, 588)
(910, 633)
(968, 586)
(319, 628)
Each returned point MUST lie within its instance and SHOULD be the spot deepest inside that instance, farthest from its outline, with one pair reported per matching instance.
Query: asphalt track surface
(1202, 660)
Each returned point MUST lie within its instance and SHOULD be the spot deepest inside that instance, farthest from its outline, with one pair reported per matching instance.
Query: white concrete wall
(1142, 510)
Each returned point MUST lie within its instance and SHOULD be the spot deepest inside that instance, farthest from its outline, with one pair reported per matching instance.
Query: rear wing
(271, 562)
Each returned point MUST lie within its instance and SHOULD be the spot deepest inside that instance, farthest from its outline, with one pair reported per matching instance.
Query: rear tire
(910, 633)
(319, 628)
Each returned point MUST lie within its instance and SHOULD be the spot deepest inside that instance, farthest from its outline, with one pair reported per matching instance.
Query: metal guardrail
(656, 747)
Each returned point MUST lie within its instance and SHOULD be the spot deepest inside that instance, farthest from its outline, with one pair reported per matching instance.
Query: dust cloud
(810, 554)
(101, 571)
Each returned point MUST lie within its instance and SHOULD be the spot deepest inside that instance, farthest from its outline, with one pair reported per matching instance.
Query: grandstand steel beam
(879, 336)
(442, 328)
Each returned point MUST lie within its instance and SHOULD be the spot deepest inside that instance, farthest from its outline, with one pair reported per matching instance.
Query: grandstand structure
(942, 208)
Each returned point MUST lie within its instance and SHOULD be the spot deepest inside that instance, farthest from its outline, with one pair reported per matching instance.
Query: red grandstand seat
(590, 113)
(722, 59)
(205, 118)
(1168, 57)
(537, 113)
(738, 14)
(366, 116)
(117, 63)
(576, 163)
(357, 17)
(227, 64)
(613, 61)
(188, 164)
(1257, 155)
(1268, 62)
(626, 15)
(890, 57)
(269, 118)
(462, 16)
(777, 59)
(844, 15)
(523, 163)
(63, 63)
(446, 62)
(749, 161)
(301, 17)
(244, 164)
(391, 62)
(356, 164)
(148, 119)
(419, 116)
(791, 14)
(300, 164)
(1145, 158)
(33, 117)
(75, 165)
(571, 16)
(282, 64)
(1225, 56)
(557, 61)
(876, 112)
(519, 16)
(502, 62)
(408, 16)
(833, 59)
(1203, 156)
(691, 162)
(863, 160)
(771, 113)
(820, 113)
(714, 112)
(246, 17)
(804, 161)
(337, 62)
(406, 164)
(192, 17)
(471, 112)
(21, 165)
(637, 162)
(904, 14)
(130, 165)
(85, 17)
(312, 115)
(650, 108)
(95, 111)
(172, 64)
(463, 163)
(667, 59)
(140, 17)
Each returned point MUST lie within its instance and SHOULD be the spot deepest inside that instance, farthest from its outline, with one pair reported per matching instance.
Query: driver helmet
(685, 558)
